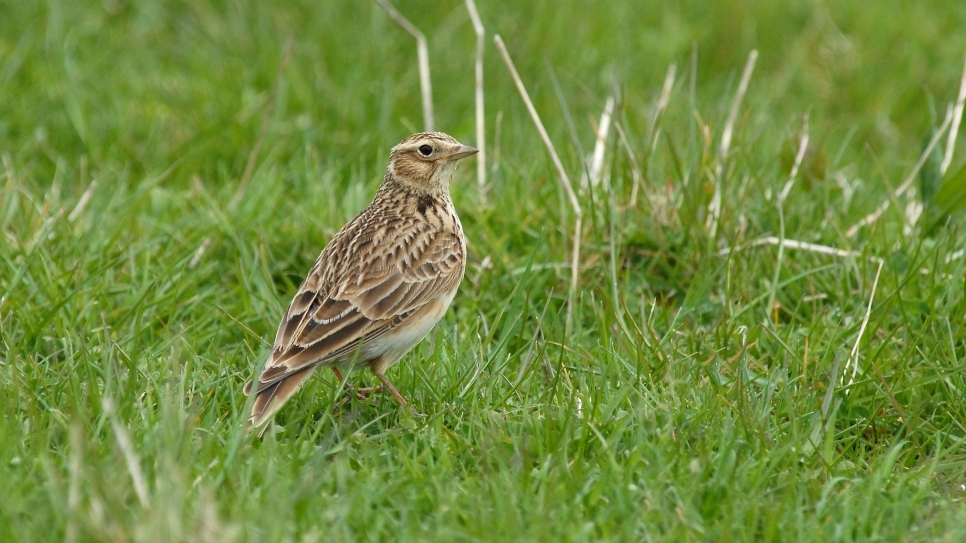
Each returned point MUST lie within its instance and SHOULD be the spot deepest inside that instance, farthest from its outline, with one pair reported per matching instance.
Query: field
(764, 338)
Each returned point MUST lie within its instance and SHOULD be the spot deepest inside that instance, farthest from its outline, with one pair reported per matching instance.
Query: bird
(381, 283)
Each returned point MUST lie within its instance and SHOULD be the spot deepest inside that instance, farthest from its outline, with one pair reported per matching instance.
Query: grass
(700, 395)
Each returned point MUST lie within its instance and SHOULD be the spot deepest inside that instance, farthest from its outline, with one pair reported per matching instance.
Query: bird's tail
(271, 397)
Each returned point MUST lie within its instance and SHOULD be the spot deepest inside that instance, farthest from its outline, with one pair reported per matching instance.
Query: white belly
(396, 343)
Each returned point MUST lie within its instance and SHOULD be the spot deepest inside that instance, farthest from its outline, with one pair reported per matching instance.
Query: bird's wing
(359, 289)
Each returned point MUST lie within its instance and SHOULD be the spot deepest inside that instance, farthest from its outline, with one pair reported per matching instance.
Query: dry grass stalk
(422, 52)
(82, 203)
(853, 360)
(564, 179)
(714, 208)
(954, 129)
(662, 104)
(655, 131)
(854, 354)
(874, 216)
(595, 168)
(635, 165)
(799, 157)
(127, 451)
(480, 117)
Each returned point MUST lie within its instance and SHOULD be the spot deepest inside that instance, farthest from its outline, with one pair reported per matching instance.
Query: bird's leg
(390, 388)
(399, 398)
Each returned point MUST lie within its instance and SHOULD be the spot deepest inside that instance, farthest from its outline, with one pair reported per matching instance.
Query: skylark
(381, 284)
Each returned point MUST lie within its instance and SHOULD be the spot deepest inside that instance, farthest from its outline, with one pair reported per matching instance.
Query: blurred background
(139, 85)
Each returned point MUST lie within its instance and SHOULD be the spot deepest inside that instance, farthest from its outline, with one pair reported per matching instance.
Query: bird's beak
(463, 152)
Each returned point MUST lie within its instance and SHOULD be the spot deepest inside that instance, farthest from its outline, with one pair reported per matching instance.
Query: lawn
(764, 339)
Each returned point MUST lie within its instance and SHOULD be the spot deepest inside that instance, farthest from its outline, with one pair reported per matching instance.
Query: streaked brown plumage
(381, 284)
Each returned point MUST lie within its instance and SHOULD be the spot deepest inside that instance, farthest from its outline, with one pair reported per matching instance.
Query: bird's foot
(362, 394)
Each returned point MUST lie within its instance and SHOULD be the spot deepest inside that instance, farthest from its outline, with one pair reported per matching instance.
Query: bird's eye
(425, 150)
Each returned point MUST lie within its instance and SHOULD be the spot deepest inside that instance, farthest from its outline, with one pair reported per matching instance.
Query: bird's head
(427, 161)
